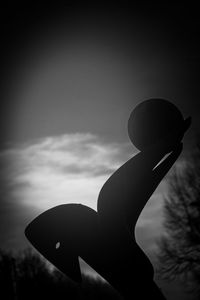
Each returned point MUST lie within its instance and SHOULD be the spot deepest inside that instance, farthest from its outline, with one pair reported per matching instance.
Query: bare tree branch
(179, 254)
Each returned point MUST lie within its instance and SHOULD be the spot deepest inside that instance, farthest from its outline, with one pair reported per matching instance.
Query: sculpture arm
(151, 156)
(146, 185)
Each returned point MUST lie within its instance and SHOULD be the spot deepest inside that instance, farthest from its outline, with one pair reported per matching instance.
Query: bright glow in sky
(63, 169)
(70, 168)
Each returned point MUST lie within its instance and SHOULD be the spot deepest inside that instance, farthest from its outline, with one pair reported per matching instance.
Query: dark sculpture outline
(105, 239)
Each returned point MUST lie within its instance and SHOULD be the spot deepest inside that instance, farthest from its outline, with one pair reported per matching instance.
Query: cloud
(47, 172)
(55, 170)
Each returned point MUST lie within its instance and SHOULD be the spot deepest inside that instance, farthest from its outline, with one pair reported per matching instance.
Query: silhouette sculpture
(105, 239)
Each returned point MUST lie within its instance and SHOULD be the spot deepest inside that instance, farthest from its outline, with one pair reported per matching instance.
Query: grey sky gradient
(84, 70)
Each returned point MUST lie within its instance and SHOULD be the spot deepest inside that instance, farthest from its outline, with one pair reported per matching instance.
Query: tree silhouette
(180, 248)
(25, 275)
(7, 275)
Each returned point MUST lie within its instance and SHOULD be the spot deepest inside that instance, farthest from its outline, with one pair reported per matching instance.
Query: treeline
(27, 276)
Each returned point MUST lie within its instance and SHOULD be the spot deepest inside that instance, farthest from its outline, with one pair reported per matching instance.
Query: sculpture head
(152, 120)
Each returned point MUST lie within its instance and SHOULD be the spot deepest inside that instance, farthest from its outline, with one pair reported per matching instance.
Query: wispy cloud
(47, 172)
(70, 168)
(62, 169)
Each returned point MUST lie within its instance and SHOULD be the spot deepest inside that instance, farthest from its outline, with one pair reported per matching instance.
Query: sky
(70, 78)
